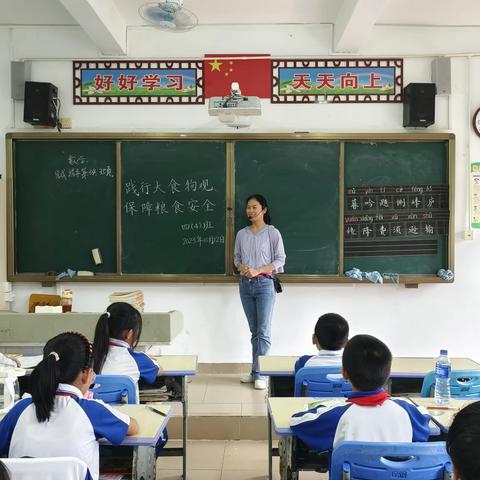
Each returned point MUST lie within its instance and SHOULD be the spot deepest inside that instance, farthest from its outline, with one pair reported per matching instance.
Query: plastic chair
(115, 389)
(321, 382)
(463, 383)
(382, 461)
(56, 468)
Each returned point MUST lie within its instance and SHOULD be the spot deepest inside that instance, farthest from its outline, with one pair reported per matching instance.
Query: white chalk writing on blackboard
(171, 186)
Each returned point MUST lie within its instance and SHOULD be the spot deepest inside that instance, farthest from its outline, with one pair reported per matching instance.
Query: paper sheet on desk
(30, 362)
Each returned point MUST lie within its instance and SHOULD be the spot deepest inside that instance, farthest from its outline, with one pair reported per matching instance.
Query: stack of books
(133, 298)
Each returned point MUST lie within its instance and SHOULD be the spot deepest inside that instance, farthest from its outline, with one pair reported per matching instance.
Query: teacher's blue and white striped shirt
(257, 249)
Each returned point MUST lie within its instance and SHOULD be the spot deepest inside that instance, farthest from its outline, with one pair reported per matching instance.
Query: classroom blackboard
(396, 207)
(64, 196)
(300, 183)
(167, 207)
(173, 207)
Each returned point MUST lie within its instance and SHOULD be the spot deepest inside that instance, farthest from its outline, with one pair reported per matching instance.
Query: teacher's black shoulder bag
(277, 284)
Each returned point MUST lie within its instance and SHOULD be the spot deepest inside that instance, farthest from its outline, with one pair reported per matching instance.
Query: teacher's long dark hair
(263, 202)
(64, 357)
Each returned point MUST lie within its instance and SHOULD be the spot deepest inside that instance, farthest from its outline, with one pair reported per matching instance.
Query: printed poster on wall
(138, 82)
(337, 80)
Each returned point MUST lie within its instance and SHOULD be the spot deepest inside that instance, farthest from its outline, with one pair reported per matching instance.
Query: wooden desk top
(151, 424)
(443, 416)
(177, 364)
(281, 410)
(408, 367)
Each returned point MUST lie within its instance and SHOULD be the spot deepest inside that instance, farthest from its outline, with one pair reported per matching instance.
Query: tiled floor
(220, 396)
(222, 408)
(224, 460)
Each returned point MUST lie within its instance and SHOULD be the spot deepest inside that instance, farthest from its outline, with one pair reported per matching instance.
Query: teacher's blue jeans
(258, 297)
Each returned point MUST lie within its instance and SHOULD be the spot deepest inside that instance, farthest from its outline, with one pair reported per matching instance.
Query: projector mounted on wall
(235, 110)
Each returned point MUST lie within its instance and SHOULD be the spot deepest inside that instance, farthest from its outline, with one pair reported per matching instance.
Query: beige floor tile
(245, 455)
(250, 395)
(201, 455)
(217, 409)
(192, 474)
(244, 474)
(254, 409)
(253, 428)
(215, 428)
(224, 393)
(196, 390)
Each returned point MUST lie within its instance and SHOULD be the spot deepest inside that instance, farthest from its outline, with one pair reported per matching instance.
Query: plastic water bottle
(442, 378)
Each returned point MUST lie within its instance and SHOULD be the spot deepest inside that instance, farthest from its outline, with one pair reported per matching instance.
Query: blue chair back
(321, 382)
(382, 461)
(115, 389)
(463, 383)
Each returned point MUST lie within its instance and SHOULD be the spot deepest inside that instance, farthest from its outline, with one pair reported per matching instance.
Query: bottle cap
(443, 352)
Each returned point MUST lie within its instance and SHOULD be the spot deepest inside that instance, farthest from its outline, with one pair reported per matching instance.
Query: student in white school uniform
(57, 421)
(117, 334)
(330, 336)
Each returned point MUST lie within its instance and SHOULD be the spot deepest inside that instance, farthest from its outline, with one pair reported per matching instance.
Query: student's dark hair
(367, 360)
(463, 442)
(118, 318)
(263, 202)
(331, 331)
(64, 357)
(4, 472)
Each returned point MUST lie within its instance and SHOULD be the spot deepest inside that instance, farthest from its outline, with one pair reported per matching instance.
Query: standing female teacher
(258, 254)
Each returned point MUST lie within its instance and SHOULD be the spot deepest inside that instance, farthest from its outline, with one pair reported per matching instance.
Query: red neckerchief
(66, 394)
(370, 400)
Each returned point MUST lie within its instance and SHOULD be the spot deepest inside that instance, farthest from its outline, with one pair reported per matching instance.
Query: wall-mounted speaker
(419, 104)
(40, 107)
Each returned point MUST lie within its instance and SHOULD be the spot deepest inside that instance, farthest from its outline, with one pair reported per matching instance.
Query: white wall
(412, 322)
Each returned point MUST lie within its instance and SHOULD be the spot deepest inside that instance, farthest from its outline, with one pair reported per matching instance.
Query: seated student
(57, 421)
(330, 336)
(463, 443)
(368, 414)
(117, 333)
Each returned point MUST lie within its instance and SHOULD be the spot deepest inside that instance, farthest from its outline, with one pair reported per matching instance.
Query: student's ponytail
(45, 380)
(119, 318)
(64, 357)
(101, 342)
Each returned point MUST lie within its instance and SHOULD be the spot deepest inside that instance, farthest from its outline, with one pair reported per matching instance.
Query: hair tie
(106, 313)
(55, 354)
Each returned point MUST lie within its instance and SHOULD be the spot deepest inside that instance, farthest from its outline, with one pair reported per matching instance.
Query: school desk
(281, 370)
(151, 425)
(280, 411)
(442, 415)
(181, 366)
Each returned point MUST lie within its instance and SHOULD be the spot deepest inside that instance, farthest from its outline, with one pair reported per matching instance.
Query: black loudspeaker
(419, 104)
(40, 107)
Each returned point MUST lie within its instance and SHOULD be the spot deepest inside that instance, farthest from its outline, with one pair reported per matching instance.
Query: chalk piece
(97, 256)
(84, 273)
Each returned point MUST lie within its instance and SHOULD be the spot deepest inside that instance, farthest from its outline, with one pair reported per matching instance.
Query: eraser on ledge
(97, 256)
(85, 273)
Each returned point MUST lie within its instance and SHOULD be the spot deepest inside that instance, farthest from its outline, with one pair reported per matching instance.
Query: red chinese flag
(252, 72)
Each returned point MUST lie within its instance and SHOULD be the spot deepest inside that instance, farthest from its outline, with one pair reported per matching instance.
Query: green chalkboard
(159, 206)
(413, 177)
(173, 207)
(64, 197)
(301, 183)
